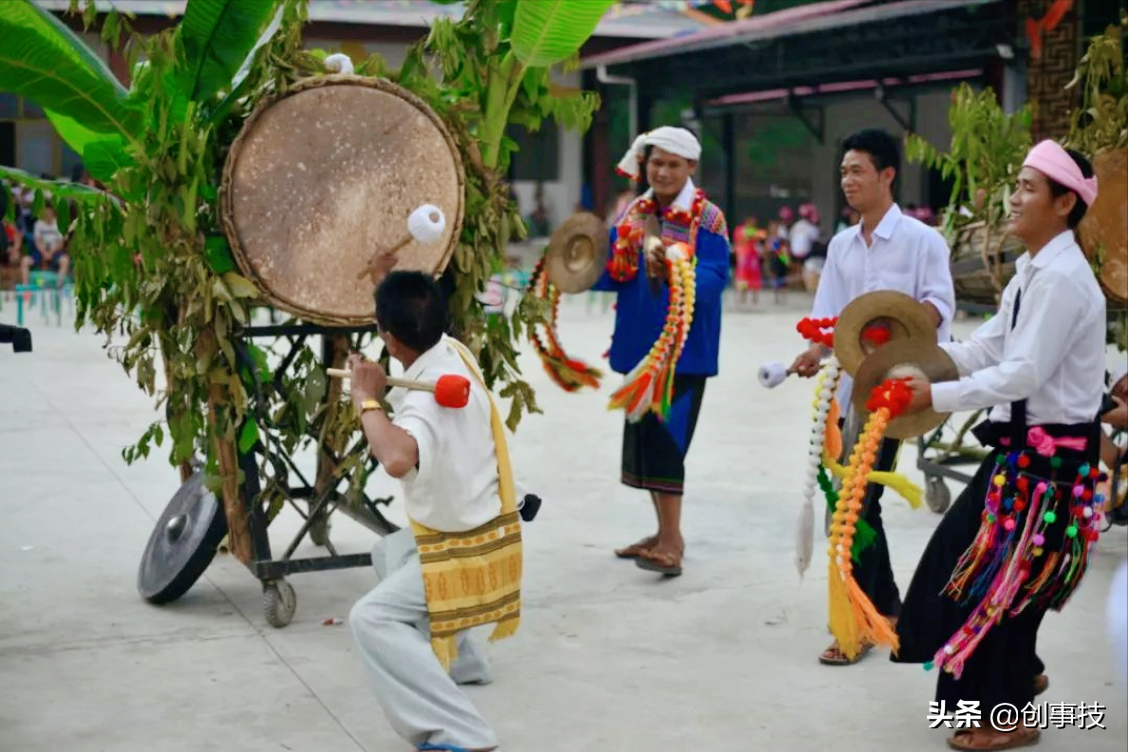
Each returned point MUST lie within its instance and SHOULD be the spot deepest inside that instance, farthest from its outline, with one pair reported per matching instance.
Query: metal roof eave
(621, 60)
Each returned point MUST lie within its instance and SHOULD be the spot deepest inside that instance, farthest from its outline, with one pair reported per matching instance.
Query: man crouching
(459, 564)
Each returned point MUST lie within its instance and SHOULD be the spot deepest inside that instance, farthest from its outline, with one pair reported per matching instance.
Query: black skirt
(1005, 662)
(654, 451)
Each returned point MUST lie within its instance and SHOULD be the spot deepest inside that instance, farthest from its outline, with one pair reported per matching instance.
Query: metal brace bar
(797, 110)
(910, 124)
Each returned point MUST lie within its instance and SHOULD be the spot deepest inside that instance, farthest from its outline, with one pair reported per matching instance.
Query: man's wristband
(368, 404)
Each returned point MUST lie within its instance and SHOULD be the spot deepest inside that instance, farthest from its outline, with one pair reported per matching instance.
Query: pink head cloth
(1050, 159)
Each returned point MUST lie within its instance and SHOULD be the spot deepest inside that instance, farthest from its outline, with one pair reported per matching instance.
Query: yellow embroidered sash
(474, 577)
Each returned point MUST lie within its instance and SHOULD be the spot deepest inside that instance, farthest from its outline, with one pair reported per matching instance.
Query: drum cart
(189, 532)
(937, 458)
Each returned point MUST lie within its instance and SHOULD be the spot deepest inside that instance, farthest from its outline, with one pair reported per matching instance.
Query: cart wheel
(319, 530)
(937, 494)
(278, 603)
(183, 542)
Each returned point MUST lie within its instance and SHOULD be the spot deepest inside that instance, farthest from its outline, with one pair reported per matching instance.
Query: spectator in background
(778, 259)
(847, 219)
(802, 237)
(806, 237)
(748, 240)
(48, 250)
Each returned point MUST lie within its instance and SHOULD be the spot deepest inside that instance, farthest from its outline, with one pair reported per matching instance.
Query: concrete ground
(609, 657)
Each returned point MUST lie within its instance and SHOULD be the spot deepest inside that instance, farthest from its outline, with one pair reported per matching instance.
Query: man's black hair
(411, 307)
(1057, 189)
(880, 145)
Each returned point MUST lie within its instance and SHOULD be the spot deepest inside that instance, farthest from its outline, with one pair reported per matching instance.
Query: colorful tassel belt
(1033, 545)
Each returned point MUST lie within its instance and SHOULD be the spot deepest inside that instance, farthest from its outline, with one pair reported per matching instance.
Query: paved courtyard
(609, 657)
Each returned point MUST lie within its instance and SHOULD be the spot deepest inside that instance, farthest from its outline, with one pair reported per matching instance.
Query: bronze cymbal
(907, 357)
(577, 253)
(905, 317)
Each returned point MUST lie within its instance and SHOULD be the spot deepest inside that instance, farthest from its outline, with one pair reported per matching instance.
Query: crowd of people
(32, 240)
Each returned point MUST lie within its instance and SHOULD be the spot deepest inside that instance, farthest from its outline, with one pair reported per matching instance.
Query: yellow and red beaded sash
(650, 384)
(474, 577)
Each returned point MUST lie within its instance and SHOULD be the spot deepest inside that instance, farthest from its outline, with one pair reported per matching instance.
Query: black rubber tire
(192, 562)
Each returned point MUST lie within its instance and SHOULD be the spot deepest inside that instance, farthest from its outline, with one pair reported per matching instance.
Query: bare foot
(635, 550)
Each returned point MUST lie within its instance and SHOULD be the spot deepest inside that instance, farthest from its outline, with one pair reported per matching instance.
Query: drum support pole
(238, 529)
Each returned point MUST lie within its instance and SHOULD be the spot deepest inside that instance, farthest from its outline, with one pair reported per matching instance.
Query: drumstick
(423, 386)
(451, 390)
(426, 224)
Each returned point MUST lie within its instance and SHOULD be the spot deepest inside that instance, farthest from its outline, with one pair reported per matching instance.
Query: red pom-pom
(877, 334)
(452, 390)
(1023, 460)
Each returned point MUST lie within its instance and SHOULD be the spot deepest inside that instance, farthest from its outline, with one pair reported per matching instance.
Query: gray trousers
(390, 625)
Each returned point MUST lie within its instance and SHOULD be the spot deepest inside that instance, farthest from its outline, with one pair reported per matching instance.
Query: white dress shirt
(906, 255)
(455, 487)
(1054, 358)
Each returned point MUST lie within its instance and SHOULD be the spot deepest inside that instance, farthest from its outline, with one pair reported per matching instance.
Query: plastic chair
(44, 288)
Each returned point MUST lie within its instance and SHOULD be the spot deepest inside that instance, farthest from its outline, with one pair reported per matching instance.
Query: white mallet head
(772, 374)
(427, 223)
(339, 63)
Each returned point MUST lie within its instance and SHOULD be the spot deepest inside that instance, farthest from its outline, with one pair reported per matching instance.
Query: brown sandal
(668, 564)
(967, 740)
(833, 656)
(635, 550)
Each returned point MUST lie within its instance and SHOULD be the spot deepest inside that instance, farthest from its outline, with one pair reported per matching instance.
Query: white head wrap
(668, 138)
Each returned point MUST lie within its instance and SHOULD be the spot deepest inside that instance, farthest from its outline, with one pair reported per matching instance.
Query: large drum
(325, 176)
(982, 264)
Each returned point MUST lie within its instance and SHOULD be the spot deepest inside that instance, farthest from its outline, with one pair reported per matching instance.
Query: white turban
(677, 141)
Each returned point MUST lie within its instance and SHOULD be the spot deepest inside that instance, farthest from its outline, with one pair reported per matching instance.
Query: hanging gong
(907, 357)
(900, 314)
(324, 175)
(577, 253)
(183, 542)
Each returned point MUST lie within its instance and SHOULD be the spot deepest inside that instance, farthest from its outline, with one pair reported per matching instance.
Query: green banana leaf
(59, 189)
(43, 60)
(102, 155)
(217, 36)
(549, 31)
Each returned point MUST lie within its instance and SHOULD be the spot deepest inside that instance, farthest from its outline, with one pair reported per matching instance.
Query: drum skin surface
(322, 177)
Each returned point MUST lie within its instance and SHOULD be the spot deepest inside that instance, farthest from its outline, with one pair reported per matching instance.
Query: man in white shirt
(454, 473)
(1016, 542)
(886, 250)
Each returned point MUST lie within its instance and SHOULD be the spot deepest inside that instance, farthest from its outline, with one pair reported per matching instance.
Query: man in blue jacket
(654, 450)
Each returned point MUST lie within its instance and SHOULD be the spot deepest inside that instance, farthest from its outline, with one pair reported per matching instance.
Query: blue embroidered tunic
(640, 313)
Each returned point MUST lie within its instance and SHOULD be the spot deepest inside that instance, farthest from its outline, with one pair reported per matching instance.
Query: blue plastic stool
(44, 287)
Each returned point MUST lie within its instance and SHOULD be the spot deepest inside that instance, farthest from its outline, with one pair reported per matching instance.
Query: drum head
(322, 178)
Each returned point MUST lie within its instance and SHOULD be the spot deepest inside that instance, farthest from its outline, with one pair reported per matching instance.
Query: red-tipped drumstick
(450, 390)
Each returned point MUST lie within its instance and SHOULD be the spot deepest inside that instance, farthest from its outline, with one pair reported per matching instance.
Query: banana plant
(152, 267)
